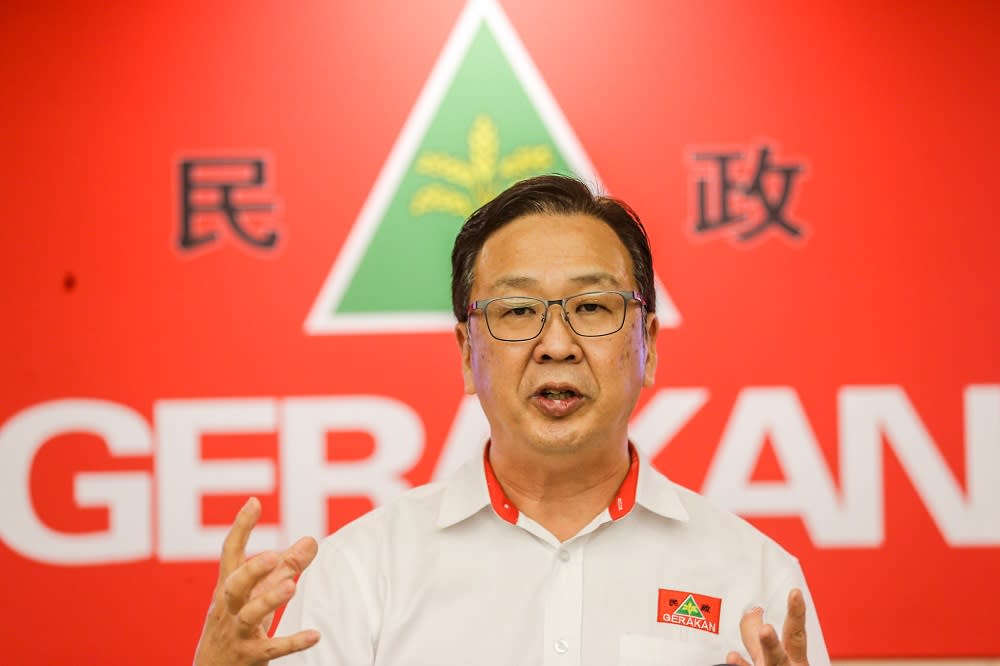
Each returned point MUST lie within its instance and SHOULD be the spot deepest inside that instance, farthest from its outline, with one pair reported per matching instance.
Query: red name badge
(698, 611)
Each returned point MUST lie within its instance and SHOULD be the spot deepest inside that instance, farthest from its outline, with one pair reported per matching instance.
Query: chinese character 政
(769, 185)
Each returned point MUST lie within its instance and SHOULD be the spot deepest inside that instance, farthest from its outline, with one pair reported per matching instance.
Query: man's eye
(589, 308)
(524, 311)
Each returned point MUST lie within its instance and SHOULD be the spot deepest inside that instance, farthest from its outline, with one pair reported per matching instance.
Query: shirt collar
(658, 493)
(474, 486)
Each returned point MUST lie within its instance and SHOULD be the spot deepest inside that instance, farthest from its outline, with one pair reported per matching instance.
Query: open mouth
(553, 394)
(558, 401)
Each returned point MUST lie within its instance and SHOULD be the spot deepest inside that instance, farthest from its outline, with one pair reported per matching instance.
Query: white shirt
(452, 574)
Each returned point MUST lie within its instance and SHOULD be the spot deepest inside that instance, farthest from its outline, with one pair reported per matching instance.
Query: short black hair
(553, 195)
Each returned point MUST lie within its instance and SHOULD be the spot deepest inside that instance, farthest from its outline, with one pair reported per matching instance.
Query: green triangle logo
(484, 120)
(689, 608)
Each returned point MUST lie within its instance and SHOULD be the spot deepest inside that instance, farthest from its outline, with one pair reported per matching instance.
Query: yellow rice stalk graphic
(690, 608)
(481, 178)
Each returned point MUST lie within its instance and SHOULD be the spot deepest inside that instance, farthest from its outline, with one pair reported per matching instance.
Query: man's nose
(557, 341)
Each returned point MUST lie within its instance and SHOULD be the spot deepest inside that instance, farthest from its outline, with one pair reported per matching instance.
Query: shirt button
(564, 555)
(561, 646)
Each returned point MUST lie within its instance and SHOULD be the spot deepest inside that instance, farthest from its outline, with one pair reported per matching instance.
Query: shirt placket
(564, 611)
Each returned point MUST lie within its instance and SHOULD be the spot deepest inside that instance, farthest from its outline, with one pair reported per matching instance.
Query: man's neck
(562, 492)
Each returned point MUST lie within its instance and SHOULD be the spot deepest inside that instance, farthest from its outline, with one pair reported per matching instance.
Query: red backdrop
(864, 351)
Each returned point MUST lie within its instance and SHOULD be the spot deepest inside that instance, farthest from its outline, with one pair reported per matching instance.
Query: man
(558, 545)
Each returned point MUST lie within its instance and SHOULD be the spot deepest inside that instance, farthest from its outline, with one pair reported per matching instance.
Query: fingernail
(753, 609)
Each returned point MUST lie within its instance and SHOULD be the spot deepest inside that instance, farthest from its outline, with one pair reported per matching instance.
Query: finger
(770, 647)
(252, 615)
(750, 625)
(793, 631)
(735, 659)
(234, 547)
(293, 561)
(236, 588)
(272, 648)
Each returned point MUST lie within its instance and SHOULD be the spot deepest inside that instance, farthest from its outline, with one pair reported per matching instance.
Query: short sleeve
(334, 597)
(787, 577)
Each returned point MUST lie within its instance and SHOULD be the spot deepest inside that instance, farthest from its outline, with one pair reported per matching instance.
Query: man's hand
(246, 596)
(761, 640)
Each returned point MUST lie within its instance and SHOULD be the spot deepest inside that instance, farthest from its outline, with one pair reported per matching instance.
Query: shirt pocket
(640, 650)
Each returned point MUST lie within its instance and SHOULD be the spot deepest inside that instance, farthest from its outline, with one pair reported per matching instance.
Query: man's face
(559, 391)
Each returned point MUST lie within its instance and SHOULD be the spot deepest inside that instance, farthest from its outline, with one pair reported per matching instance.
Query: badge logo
(484, 120)
(698, 611)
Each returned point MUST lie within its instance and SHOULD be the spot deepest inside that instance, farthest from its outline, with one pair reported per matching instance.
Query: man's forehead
(529, 240)
(552, 254)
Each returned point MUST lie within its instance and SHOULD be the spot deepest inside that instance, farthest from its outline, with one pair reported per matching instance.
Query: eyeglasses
(591, 315)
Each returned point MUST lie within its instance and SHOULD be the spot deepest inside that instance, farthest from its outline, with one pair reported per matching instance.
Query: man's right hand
(762, 642)
(246, 596)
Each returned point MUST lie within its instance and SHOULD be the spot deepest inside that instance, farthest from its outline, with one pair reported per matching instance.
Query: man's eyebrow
(599, 278)
(586, 279)
(515, 281)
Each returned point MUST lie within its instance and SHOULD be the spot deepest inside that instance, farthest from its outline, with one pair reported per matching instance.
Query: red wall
(856, 366)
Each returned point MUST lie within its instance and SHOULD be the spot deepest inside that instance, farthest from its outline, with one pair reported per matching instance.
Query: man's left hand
(761, 640)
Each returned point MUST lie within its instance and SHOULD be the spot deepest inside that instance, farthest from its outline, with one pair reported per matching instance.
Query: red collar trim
(624, 499)
(498, 498)
(621, 504)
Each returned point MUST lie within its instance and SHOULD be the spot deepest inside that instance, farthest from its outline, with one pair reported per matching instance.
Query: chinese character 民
(224, 191)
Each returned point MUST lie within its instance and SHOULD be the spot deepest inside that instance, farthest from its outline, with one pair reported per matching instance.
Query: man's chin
(559, 437)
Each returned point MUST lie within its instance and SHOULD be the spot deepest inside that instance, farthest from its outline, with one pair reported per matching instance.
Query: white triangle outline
(322, 318)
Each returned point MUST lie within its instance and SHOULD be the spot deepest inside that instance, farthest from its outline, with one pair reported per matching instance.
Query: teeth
(558, 395)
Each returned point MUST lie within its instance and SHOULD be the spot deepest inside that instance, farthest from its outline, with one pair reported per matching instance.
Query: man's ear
(465, 348)
(651, 331)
